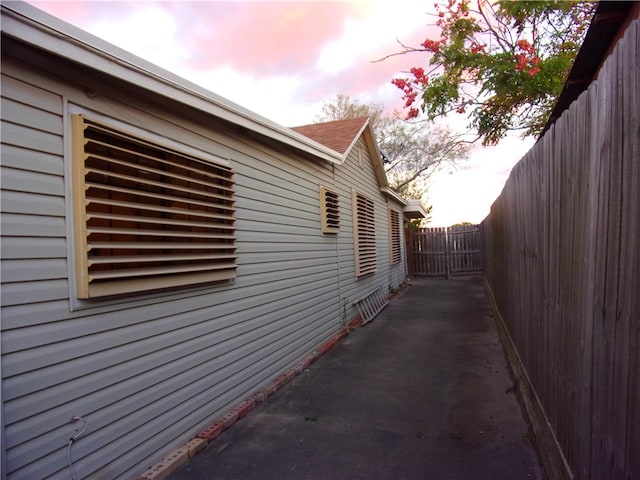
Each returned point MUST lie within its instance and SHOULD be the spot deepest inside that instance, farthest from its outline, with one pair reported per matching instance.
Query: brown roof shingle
(338, 135)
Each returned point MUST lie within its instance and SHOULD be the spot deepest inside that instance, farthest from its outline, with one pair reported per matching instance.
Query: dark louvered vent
(147, 216)
(330, 211)
(396, 249)
(365, 235)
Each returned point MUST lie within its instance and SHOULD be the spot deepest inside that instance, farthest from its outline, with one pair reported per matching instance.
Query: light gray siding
(398, 272)
(184, 357)
(148, 372)
(360, 176)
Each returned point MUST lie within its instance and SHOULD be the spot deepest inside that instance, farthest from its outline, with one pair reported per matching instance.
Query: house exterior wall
(147, 372)
(398, 273)
(358, 173)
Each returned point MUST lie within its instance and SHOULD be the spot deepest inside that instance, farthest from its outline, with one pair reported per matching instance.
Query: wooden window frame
(395, 239)
(329, 211)
(146, 216)
(364, 234)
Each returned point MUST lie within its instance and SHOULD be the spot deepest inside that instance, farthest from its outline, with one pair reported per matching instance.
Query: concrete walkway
(422, 392)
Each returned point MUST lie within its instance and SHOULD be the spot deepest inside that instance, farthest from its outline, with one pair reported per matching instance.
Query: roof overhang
(393, 195)
(415, 209)
(376, 158)
(365, 126)
(35, 28)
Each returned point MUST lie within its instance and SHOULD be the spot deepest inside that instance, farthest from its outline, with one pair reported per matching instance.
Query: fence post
(447, 253)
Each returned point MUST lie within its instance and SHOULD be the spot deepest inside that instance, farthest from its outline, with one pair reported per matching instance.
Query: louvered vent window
(147, 216)
(396, 252)
(329, 211)
(365, 234)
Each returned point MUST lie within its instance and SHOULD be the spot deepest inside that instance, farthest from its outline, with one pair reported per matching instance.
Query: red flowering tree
(502, 64)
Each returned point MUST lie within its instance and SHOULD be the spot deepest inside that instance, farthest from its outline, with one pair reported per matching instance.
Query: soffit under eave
(394, 196)
(415, 209)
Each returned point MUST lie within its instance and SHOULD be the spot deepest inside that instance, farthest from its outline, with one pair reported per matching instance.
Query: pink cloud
(257, 36)
(81, 13)
(264, 38)
(366, 75)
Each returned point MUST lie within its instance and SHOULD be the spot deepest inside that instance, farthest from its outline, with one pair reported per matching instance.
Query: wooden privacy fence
(562, 258)
(444, 251)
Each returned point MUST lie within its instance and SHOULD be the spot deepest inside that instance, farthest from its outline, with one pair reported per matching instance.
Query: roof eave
(356, 137)
(415, 209)
(378, 164)
(393, 195)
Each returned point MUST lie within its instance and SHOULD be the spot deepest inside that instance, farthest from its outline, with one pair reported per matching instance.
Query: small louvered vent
(147, 216)
(365, 235)
(330, 211)
(396, 250)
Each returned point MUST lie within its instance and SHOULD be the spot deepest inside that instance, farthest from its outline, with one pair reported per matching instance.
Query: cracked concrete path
(422, 392)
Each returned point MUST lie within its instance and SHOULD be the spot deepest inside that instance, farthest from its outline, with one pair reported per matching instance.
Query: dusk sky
(283, 59)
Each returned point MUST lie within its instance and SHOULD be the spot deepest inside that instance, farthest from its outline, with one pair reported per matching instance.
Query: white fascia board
(393, 195)
(47, 33)
(378, 164)
(415, 209)
(355, 140)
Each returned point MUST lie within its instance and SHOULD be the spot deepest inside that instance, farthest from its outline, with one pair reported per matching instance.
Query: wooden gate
(442, 252)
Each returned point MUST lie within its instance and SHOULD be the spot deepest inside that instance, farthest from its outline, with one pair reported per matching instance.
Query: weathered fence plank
(562, 260)
(630, 250)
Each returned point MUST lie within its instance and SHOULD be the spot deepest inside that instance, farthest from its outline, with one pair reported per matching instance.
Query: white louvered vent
(147, 216)
(329, 211)
(365, 234)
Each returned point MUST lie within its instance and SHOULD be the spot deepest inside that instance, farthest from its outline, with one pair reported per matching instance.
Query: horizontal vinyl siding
(361, 177)
(32, 194)
(33, 247)
(177, 359)
(33, 252)
(398, 272)
(147, 372)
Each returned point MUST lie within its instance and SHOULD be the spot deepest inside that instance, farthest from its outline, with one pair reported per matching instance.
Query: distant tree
(463, 224)
(343, 107)
(419, 222)
(500, 63)
(413, 150)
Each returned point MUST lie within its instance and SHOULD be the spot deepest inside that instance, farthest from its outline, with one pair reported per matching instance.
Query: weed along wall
(563, 264)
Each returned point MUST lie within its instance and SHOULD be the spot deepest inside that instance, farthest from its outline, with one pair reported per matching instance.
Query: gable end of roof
(338, 135)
